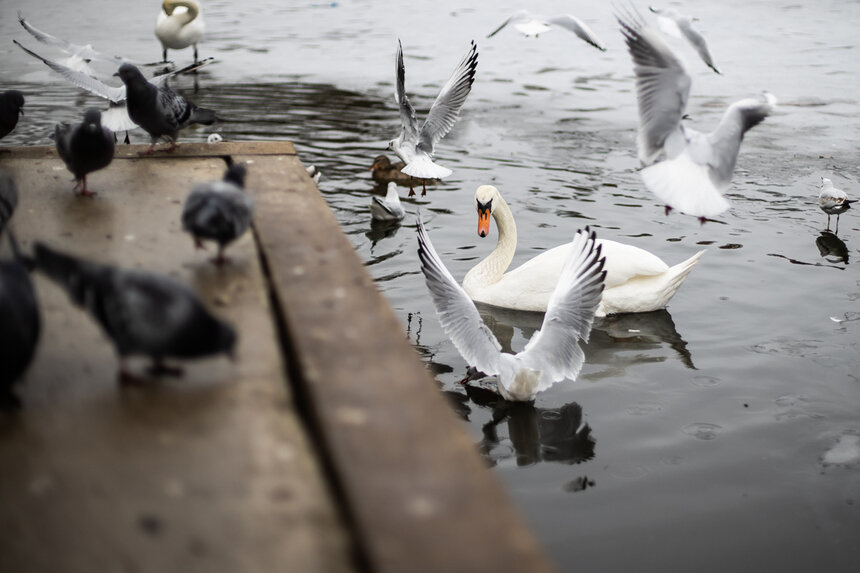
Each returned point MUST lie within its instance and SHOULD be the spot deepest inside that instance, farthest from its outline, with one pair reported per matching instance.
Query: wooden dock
(325, 447)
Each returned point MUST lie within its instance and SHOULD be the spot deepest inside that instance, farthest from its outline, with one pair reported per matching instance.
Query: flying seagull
(531, 25)
(678, 25)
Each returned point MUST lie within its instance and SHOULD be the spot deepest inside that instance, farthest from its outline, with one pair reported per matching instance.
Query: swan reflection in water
(612, 337)
(831, 247)
(534, 435)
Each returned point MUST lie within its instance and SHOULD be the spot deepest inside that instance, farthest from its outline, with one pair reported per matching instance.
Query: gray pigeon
(20, 323)
(142, 312)
(11, 106)
(160, 111)
(85, 147)
(8, 199)
(219, 210)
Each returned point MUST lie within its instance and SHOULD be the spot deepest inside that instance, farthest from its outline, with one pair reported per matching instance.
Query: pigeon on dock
(143, 313)
(11, 108)
(85, 147)
(8, 199)
(220, 211)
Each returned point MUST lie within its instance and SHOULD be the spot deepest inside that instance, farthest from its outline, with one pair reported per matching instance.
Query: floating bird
(383, 171)
(314, 173)
(214, 138)
(415, 147)
(85, 147)
(143, 313)
(11, 107)
(160, 111)
(687, 170)
(389, 208)
(8, 199)
(219, 211)
(553, 353)
(20, 323)
(833, 201)
(530, 25)
(678, 25)
(179, 25)
(636, 280)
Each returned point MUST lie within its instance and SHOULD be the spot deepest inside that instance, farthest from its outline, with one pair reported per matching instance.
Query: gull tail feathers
(423, 167)
(685, 186)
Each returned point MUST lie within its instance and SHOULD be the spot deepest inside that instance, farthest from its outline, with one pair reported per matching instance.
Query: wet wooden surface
(352, 461)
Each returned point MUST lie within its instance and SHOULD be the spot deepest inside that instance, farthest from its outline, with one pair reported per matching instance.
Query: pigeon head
(236, 174)
(129, 73)
(93, 120)
(16, 98)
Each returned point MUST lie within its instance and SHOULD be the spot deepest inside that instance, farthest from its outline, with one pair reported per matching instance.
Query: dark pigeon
(20, 323)
(160, 111)
(219, 211)
(143, 313)
(8, 199)
(85, 147)
(11, 106)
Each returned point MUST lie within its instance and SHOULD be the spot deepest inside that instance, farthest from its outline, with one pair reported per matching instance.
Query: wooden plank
(221, 149)
(418, 494)
(212, 472)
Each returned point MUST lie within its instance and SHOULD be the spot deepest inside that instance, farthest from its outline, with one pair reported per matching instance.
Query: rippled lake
(697, 435)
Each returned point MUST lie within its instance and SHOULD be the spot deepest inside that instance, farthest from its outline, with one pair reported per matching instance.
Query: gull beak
(483, 222)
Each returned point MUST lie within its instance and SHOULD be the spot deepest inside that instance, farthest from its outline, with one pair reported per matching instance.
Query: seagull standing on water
(832, 201)
(415, 147)
(85, 147)
(179, 25)
(553, 353)
(687, 170)
(530, 25)
(159, 110)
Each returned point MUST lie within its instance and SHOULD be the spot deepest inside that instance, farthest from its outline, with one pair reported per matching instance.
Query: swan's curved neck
(491, 269)
(192, 8)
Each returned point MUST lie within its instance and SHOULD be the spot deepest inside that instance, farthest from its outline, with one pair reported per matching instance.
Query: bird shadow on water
(831, 248)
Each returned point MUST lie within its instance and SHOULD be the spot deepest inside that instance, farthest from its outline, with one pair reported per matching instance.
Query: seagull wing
(725, 140)
(579, 28)
(116, 118)
(457, 313)
(554, 350)
(80, 79)
(698, 42)
(662, 86)
(159, 79)
(443, 114)
(409, 131)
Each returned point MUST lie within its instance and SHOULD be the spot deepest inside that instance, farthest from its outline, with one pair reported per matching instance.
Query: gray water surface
(695, 437)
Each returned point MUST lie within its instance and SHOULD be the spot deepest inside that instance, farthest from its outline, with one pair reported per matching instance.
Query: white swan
(636, 280)
(179, 25)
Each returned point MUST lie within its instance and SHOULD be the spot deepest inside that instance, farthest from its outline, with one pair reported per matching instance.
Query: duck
(179, 25)
(384, 171)
(636, 280)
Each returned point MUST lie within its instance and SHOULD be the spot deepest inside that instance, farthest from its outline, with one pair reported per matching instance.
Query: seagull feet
(423, 189)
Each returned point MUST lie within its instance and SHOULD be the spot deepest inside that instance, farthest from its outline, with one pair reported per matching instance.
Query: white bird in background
(832, 201)
(415, 147)
(677, 25)
(530, 25)
(636, 280)
(553, 353)
(388, 208)
(687, 170)
(179, 25)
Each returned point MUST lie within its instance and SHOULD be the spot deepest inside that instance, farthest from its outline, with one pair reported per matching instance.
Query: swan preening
(636, 280)
(179, 25)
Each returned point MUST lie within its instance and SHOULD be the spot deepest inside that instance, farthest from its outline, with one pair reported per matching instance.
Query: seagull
(8, 199)
(687, 170)
(389, 208)
(314, 173)
(553, 353)
(116, 116)
(678, 25)
(143, 313)
(415, 147)
(160, 111)
(530, 25)
(21, 324)
(85, 147)
(833, 201)
(219, 210)
(179, 25)
(11, 107)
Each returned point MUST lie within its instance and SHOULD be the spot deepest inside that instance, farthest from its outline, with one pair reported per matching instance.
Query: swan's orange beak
(483, 222)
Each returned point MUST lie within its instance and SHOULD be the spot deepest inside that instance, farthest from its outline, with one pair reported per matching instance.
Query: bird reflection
(831, 247)
(380, 230)
(643, 332)
(535, 434)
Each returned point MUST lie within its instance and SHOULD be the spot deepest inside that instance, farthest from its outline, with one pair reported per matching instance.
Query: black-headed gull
(680, 26)
(388, 208)
(832, 201)
(415, 146)
(531, 25)
(687, 170)
(553, 353)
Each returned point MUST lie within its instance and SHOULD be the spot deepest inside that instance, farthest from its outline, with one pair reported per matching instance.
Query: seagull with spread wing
(531, 25)
(415, 146)
(689, 171)
(553, 353)
(679, 25)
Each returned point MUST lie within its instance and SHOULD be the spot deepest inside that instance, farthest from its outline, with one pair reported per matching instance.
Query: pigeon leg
(198, 244)
(127, 378)
(411, 188)
(159, 368)
(149, 150)
(220, 259)
(83, 191)
(173, 146)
